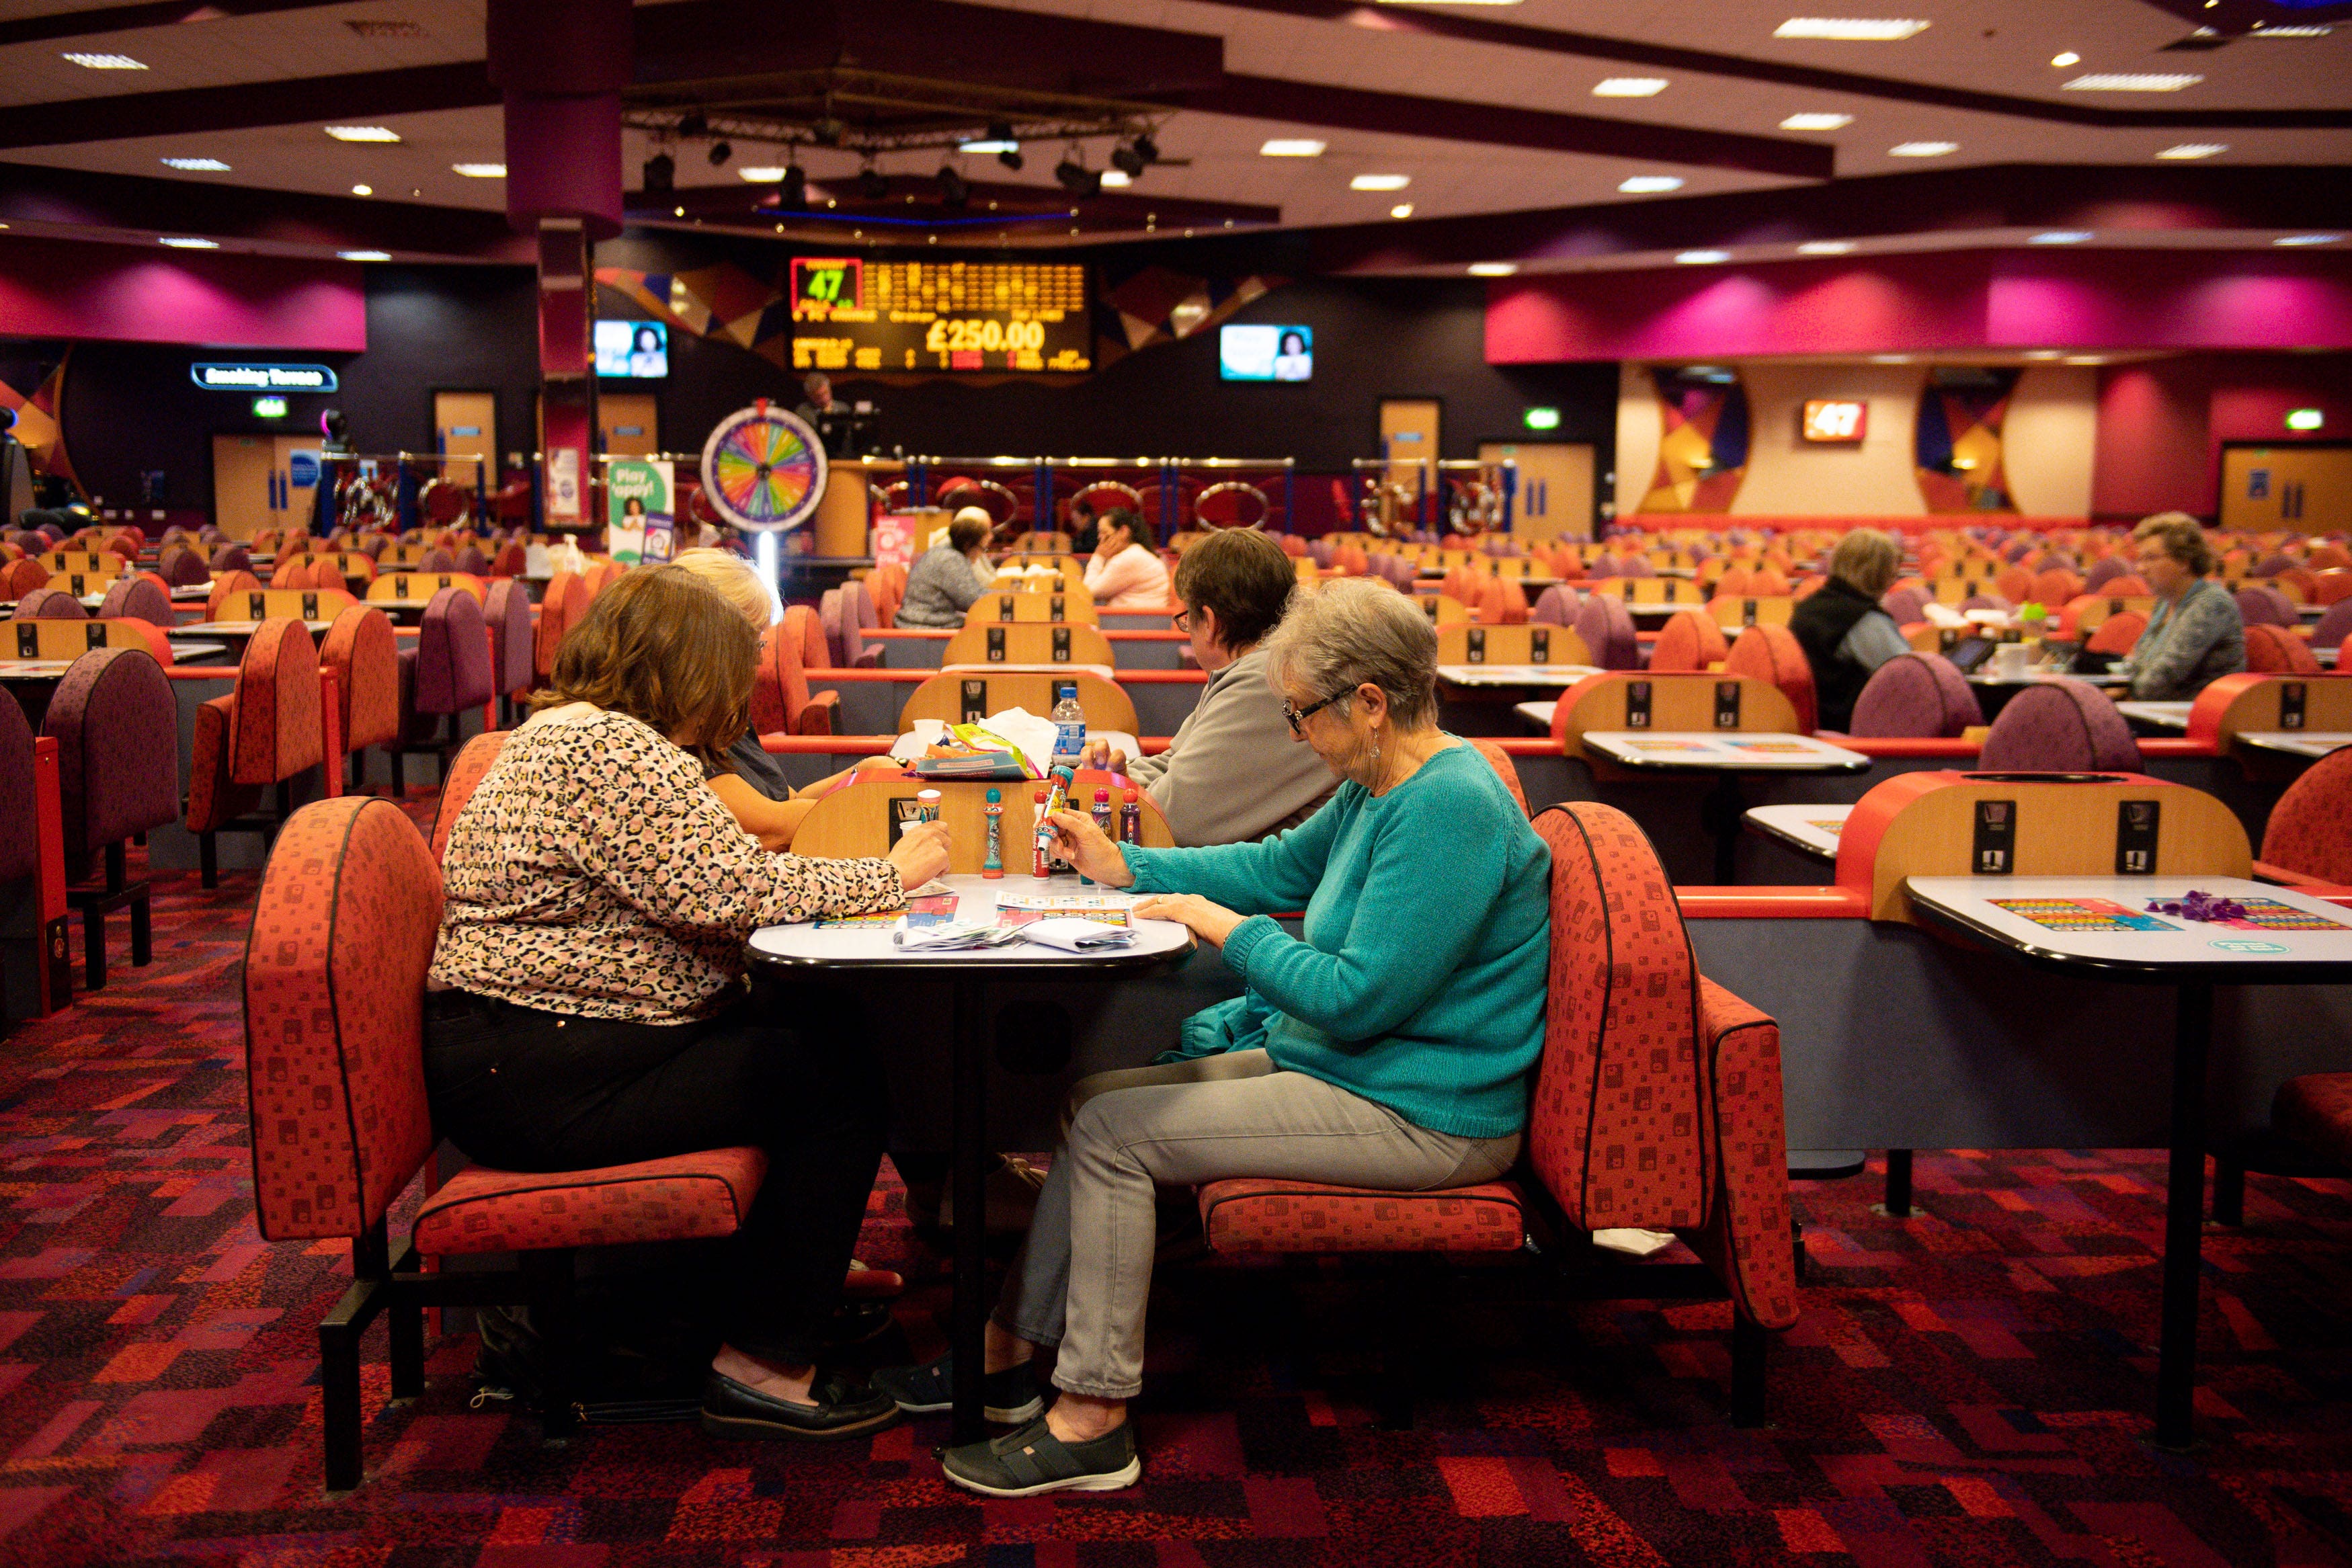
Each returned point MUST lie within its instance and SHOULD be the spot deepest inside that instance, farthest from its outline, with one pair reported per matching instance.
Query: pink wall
(1894, 304)
(2162, 425)
(51, 288)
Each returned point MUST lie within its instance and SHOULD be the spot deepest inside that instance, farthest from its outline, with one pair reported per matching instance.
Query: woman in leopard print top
(588, 1005)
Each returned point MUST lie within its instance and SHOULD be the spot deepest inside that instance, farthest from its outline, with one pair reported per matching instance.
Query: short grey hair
(1867, 559)
(1351, 630)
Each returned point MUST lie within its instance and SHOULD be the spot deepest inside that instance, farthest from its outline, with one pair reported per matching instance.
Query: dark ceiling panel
(357, 96)
(153, 14)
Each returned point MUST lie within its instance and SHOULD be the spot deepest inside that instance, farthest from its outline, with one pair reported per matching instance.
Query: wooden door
(466, 431)
(631, 422)
(1409, 428)
(2306, 488)
(245, 485)
(1555, 497)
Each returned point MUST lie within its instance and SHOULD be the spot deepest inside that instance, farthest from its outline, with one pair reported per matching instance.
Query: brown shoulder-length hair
(659, 646)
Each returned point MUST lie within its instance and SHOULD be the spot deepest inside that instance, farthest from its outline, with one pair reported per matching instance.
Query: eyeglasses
(1299, 715)
(1183, 618)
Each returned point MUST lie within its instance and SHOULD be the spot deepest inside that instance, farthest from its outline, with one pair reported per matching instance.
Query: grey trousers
(1084, 1274)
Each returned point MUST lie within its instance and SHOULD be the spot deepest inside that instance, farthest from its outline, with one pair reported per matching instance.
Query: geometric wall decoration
(1956, 439)
(40, 428)
(1703, 450)
(1157, 306)
(722, 301)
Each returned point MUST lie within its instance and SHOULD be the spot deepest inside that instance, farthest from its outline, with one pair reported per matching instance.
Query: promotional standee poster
(642, 528)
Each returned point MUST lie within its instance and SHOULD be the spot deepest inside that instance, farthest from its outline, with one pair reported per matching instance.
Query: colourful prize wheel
(764, 469)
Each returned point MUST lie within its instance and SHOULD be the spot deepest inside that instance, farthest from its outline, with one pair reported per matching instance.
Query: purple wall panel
(118, 293)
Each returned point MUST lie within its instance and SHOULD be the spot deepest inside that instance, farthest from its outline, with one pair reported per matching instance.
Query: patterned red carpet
(1967, 1387)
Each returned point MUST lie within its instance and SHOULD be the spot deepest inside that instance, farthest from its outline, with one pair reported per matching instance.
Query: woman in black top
(1845, 635)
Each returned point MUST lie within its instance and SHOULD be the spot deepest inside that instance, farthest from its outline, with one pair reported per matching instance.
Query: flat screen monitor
(635, 350)
(1266, 353)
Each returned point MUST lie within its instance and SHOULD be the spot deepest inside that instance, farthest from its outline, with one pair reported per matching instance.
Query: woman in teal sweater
(1391, 1048)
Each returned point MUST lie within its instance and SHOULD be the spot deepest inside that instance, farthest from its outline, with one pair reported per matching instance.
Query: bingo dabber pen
(993, 866)
(1059, 783)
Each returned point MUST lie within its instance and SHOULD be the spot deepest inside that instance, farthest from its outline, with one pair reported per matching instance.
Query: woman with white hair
(1390, 1048)
(950, 577)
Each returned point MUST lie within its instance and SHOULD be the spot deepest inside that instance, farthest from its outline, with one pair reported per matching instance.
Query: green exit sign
(269, 408)
(1542, 419)
(2305, 419)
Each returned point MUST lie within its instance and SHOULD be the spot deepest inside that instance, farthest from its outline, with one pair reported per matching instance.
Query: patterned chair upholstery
(443, 674)
(1556, 606)
(20, 578)
(2056, 585)
(2334, 626)
(1501, 601)
(334, 982)
(2273, 564)
(226, 585)
(296, 572)
(232, 557)
(117, 732)
(2116, 634)
(781, 702)
(2060, 726)
(180, 566)
(465, 770)
(469, 558)
(1656, 1103)
(802, 620)
(1905, 604)
(2260, 605)
(1773, 653)
(1505, 768)
(2315, 1111)
(140, 597)
(2104, 571)
(2310, 830)
(436, 560)
(1690, 640)
(1607, 628)
(49, 604)
(506, 611)
(829, 616)
(265, 732)
(2276, 651)
(510, 560)
(362, 650)
(1917, 695)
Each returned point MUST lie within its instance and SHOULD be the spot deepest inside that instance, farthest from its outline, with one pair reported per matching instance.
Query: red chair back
(2310, 829)
(2275, 651)
(364, 654)
(780, 688)
(1689, 641)
(465, 770)
(334, 988)
(1773, 653)
(2116, 633)
(274, 731)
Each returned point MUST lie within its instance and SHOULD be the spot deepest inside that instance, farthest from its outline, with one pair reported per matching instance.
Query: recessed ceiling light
(106, 62)
(2044, 353)
(1112, 178)
(2067, 58)
(2195, 149)
(206, 166)
(1850, 29)
(1644, 184)
(1401, 210)
(2133, 81)
(1380, 181)
(1825, 247)
(1630, 87)
(1890, 359)
(1817, 123)
(363, 133)
(481, 171)
(760, 173)
(2308, 239)
(364, 255)
(1493, 268)
(1701, 257)
(1922, 149)
(2086, 359)
(362, 190)
(1292, 147)
(181, 242)
(2059, 236)
(988, 147)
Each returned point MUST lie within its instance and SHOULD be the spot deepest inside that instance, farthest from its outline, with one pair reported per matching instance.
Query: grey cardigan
(1233, 772)
(941, 586)
(2187, 646)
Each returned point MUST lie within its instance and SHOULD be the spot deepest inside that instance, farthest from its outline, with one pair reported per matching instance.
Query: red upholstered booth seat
(684, 1198)
(1656, 1103)
(2315, 1111)
(2309, 833)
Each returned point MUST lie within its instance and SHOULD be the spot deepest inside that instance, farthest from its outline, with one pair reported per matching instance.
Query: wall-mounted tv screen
(1266, 353)
(633, 349)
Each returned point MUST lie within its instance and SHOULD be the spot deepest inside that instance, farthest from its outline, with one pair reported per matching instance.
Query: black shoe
(1007, 1396)
(730, 1409)
(1032, 1460)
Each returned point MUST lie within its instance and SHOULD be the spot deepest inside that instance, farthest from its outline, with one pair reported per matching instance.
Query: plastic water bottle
(1069, 730)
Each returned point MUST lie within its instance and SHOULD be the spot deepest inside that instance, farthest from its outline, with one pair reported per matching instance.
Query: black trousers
(521, 1090)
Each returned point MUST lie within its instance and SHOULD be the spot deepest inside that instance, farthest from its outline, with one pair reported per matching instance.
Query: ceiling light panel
(179, 242)
(1922, 149)
(2133, 81)
(2309, 239)
(2188, 150)
(988, 147)
(1702, 258)
(198, 165)
(760, 173)
(2306, 31)
(1817, 123)
(481, 171)
(2065, 59)
(1851, 29)
(1401, 210)
(364, 255)
(2059, 236)
(1825, 247)
(1292, 147)
(1630, 87)
(106, 62)
(1380, 181)
(1650, 184)
(363, 133)
(1493, 268)
(1114, 178)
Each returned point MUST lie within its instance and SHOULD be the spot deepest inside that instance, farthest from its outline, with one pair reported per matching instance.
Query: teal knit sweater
(1420, 983)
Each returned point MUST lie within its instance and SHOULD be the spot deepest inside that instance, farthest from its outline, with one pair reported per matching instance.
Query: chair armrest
(822, 715)
(1773, 902)
(1747, 1239)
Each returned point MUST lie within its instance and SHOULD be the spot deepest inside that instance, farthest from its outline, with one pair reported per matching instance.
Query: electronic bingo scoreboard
(851, 314)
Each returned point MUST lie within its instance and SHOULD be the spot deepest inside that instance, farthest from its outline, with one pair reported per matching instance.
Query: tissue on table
(1032, 736)
(1073, 935)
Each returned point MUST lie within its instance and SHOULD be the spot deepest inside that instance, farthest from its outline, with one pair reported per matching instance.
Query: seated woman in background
(948, 578)
(2196, 635)
(1124, 573)
(586, 1003)
(1389, 1048)
(1229, 774)
(752, 784)
(1845, 635)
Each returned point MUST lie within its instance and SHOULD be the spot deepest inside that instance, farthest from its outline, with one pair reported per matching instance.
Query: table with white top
(2158, 715)
(1538, 713)
(2103, 927)
(246, 629)
(1559, 677)
(1727, 755)
(2308, 743)
(1809, 829)
(34, 669)
(808, 950)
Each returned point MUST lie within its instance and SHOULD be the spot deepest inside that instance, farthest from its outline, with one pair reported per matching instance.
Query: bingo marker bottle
(1103, 823)
(1131, 818)
(993, 866)
(927, 805)
(1062, 779)
(1039, 864)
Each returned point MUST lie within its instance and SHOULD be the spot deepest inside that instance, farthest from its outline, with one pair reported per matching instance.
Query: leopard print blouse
(592, 874)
